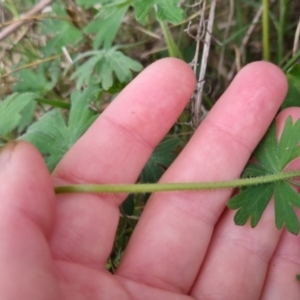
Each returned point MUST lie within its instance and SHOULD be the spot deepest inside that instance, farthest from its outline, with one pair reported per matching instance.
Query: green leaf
(128, 205)
(272, 157)
(141, 9)
(166, 10)
(266, 152)
(160, 160)
(289, 141)
(285, 197)
(41, 80)
(293, 96)
(109, 20)
(251, 203)
(101, 67)
(10, 109)
(27, 116)
(169, 11)
(253, 170)
(87, 3)
(92, 3)
(53, 137)
(63, 31)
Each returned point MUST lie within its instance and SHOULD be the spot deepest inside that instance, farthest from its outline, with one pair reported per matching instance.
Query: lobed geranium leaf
(53, 136)
(41, 80)
(169, 10)
(293, 96)
(251, 203)
(266, 152)
(64, 32)
(10, 110)
(253, 170)
(102, 66)
(161, 158)
(272, 157)
(109, 20)
(165, 10)
(285, 198)
(111, 14)
(289, 140)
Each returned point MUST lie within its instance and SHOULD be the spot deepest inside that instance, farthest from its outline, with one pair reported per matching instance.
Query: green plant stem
(265, 30)
(281, 29)
(291, 62)
(172, 47)
(12, 8)
(54, 103)
(164, 187)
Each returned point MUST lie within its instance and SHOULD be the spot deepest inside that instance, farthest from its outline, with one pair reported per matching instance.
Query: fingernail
(6, 152)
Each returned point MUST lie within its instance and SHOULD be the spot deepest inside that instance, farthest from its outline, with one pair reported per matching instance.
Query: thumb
(27, 203)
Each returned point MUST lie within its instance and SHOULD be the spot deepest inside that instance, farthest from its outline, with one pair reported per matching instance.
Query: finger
(176, 228)
(237, 259)
(26, 217)
(114, 150)
(281, 280)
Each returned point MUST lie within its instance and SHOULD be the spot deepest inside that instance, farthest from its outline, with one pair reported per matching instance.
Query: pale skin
(185, 245)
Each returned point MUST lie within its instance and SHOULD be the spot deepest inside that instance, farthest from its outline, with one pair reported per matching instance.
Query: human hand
(185, 245)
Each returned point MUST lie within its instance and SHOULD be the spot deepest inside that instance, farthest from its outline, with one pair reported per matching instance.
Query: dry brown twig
(296, 39)
(39, 17)
(13, 27)
(203, 27)
(241, 50)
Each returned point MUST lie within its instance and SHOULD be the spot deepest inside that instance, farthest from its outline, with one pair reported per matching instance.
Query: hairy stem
(163, 187)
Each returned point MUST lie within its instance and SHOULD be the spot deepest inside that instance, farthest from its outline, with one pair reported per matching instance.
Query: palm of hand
(185, 245)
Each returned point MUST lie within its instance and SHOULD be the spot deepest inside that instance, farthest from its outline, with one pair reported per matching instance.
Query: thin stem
(281, 29)
(265, 30)
(54, 103)
(297, 38)
(244, 43)
(164, 187)
(196, 114)
(291, 62)
(172, 47)
(225, 36)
